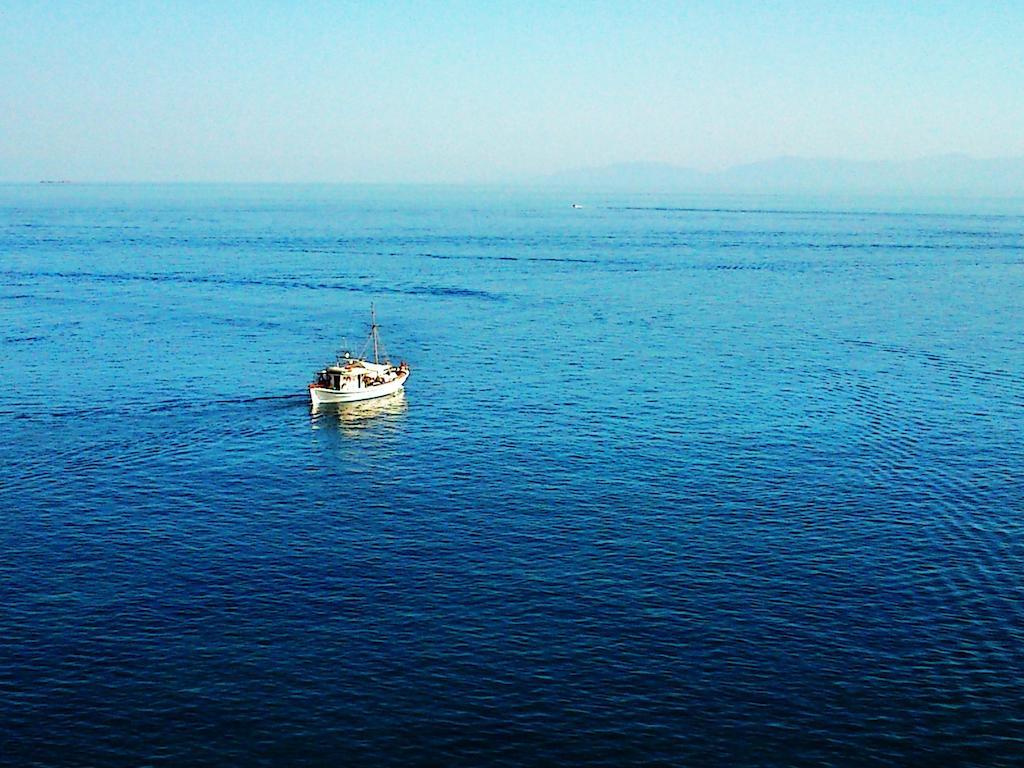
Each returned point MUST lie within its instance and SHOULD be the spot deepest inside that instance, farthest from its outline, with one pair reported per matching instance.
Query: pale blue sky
(389, 91)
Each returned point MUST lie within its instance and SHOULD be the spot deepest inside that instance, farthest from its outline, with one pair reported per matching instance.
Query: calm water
(724, 481)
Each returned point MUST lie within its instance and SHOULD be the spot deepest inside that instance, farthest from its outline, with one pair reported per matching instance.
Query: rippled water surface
(676, 480)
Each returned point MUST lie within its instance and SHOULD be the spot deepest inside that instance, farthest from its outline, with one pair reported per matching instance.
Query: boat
(352, 379)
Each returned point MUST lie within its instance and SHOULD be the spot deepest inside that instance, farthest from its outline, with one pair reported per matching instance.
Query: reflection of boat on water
(353, 417)
(352, 379)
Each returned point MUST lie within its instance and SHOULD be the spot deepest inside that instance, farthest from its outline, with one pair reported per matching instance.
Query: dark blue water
(676, 480)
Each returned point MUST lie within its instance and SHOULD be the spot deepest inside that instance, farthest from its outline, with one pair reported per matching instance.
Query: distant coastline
(941, 174)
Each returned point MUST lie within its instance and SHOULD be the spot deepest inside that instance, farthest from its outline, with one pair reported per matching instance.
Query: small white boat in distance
(352, 379)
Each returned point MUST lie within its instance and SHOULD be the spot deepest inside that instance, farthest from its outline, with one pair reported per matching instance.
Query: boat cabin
(353, 376)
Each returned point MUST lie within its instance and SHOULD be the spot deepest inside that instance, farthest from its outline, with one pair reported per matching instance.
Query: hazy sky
(421, 91)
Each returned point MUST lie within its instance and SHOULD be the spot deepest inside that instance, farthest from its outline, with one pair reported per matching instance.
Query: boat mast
(373, 332)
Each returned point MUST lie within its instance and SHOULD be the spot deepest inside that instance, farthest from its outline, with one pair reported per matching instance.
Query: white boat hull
(321, 395)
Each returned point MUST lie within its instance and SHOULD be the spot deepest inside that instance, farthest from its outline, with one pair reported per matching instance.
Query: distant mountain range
(938, 174)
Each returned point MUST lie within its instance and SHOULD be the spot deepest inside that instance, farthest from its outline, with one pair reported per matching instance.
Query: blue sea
(676, 479)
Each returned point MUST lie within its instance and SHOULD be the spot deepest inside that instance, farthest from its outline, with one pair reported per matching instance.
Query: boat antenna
(344, 353)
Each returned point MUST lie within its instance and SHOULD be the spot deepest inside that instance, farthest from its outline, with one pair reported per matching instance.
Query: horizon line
(539, 178)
